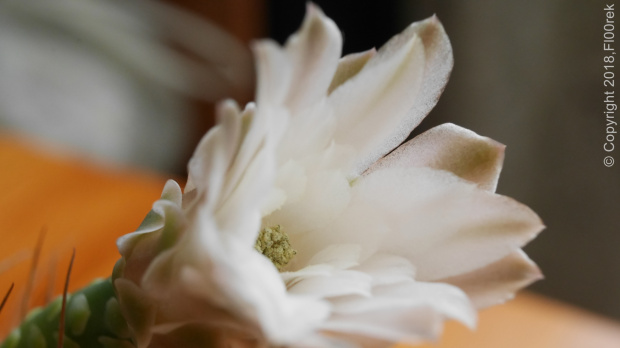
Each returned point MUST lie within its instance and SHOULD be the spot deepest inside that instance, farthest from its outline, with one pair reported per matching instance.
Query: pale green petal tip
(172, 229)
(172, 192)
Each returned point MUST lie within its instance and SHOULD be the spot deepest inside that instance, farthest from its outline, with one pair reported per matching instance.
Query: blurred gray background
(527, 74)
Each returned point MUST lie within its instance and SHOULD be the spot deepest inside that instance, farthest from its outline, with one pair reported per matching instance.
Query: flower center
(274, 244)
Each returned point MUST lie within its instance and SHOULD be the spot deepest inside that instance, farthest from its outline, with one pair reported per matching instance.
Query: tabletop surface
(87, 206)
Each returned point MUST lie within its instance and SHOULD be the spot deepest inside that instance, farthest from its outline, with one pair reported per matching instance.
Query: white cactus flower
(296, 229)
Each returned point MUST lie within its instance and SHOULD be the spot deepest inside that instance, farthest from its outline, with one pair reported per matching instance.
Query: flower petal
(452, 148)
(407, 311)
(359, 223)
(341, 256)
(209, 163)
(233, 168)
(391, 95)
(372, 104)
(497, 282)
(141, 248)
(387, 269)
(328, 274)
(337, 283)
(218, 274)
(314, 52)
(326, 195)
(444, 225)
(308, 62)
(349, 66)
(384, 328)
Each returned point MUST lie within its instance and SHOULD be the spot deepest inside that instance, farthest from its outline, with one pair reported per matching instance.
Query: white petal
(295, 79)
(497, 282)
(332, 258)
(372, 104)
(274, 71)
(341, 256)
(290, 277)
(328, 274)
(309, 133)
(450, 301)
(314, 52)
(238, 217)
(387, 269)
(217, 260)
(452, 148)
(445, 225)
(446, 299)
(261, 129)
(282, 316)
(213, 155)
(292, 181)
(407, 311)
(222, 270)
(358, 224)
(233, 169)
(400, 116)
(349, 66)
(337, 283)
(388, 327)
(290, 186)
(327, 194)
(438, 64)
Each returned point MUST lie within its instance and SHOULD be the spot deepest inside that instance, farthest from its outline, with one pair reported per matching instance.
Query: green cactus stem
(92, 320)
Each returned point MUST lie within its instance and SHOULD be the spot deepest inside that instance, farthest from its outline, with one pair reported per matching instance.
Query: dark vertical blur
(364, 24)
(243, 19)
(528, 74)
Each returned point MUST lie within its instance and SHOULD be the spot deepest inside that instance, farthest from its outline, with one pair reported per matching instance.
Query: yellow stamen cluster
(274, 244)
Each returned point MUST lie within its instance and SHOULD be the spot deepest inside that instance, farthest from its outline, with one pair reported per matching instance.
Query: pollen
(274, 244)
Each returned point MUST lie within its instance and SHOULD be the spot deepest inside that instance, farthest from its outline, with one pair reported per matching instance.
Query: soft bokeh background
(527, 74)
